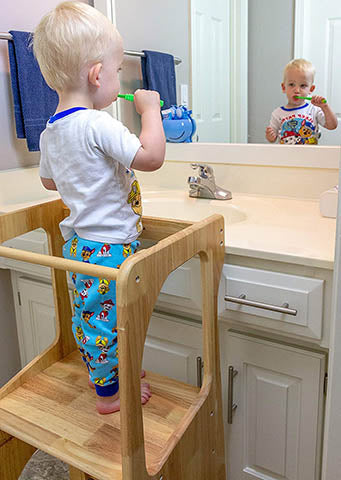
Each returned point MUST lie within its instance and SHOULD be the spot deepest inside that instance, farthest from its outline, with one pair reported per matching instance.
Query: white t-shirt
(88, 155)
(297, 125)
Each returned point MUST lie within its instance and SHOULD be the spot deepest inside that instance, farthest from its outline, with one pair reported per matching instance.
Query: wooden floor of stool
(61, 398)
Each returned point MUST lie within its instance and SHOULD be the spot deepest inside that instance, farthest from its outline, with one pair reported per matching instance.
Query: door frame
(300, 9)
(239, 71)
(108, 8)
(331, 462)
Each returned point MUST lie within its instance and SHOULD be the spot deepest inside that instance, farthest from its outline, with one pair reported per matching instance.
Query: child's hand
(318, 101)
(270, 134)
(145, 100)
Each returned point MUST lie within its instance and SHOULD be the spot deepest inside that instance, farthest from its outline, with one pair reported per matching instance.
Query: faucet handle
(205, 170)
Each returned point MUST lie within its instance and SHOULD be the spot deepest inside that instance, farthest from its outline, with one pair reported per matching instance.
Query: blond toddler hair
(300, 64)
(69, 38)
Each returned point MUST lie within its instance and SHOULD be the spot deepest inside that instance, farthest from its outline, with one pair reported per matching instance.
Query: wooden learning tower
(48, 405)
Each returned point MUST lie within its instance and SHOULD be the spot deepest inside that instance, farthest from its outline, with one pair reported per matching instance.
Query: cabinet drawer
(36, 242)
(301, 294)
(182, 289)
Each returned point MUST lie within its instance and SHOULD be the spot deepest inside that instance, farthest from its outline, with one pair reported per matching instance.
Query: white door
(210, 69)
(173, 349)
(318, 39)
(276, 427)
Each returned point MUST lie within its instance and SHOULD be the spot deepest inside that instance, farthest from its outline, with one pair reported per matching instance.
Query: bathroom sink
(178, 205)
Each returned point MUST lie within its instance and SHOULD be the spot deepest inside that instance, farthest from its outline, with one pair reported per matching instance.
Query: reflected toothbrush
(309, 98)
(130, 97)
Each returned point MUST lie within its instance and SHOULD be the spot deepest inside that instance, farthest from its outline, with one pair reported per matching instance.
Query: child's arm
(48, 183)
(270, 134)
(151, 155)
(329, 115)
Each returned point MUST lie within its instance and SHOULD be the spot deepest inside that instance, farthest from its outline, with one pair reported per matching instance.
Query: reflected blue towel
(158, 74)
(34, 101)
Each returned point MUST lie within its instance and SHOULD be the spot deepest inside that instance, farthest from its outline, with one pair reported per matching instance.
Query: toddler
(298, 122)
(89, 158)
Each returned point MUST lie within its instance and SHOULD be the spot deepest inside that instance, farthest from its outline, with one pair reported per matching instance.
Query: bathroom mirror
(260, 41)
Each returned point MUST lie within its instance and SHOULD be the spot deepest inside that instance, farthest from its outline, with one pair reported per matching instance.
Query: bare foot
(92, 385)
(105, 405)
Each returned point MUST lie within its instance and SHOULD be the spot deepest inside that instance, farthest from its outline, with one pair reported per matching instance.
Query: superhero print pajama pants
(94, 322)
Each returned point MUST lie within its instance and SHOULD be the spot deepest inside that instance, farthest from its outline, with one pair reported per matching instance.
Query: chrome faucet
(204, 186)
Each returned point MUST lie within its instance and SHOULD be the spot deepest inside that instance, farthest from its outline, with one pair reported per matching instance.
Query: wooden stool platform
(178, 434)
(75, 430)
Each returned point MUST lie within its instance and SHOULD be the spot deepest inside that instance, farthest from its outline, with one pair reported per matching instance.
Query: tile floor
(42, 466)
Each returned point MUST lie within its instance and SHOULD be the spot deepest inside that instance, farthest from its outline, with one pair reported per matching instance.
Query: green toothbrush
(309, 98)
(130, 97)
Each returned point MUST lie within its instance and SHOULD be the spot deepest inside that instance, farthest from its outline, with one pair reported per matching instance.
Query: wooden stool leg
(14, 454)
(76, 474)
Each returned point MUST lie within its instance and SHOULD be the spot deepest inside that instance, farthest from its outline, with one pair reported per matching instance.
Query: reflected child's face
(297, 83)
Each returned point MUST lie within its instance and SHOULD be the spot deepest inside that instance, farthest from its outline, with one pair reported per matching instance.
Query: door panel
(210, 69)
(276, 427)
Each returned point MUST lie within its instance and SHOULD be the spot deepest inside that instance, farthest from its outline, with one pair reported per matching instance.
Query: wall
(271, 47)
(161, 26)
(16, 15)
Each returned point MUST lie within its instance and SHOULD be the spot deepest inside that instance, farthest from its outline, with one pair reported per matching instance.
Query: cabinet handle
(230, 405)
(241, 300)
(199, 372)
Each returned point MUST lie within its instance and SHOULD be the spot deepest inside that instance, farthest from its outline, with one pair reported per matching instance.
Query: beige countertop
(273, 228)
(280, 229)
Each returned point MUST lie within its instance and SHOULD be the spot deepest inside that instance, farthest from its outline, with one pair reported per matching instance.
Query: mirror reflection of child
(298, 122)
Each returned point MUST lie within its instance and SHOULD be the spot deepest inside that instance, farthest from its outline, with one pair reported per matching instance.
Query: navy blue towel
(158, 74)
(34, 101)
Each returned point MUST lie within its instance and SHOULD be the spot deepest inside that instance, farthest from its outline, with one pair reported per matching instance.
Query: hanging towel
(34, 100)
(158, 74)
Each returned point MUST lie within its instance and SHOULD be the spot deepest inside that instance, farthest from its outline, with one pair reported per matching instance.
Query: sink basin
(178, 205)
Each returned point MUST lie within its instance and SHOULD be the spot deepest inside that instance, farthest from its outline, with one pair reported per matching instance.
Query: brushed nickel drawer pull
(241, 300)
(230, 405)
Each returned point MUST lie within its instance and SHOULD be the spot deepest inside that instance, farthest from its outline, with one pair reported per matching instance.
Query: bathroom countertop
(273, 228)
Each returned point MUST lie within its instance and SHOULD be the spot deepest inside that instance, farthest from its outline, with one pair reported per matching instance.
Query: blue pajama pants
(94, 323)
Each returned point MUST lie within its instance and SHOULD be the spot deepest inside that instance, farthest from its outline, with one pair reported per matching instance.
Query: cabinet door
(173, 348)
(276, 426)
(36, 325)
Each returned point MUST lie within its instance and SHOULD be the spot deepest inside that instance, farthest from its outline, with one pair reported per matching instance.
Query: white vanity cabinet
(274, 405)
(33, 297)
(35, 314)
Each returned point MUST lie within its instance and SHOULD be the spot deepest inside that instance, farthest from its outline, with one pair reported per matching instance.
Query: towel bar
(133, 53)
